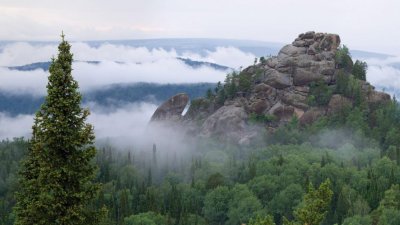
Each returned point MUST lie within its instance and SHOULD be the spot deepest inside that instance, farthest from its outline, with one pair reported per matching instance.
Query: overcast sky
(363, 24)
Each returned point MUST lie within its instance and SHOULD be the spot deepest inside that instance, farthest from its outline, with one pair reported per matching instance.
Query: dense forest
(228, 185)
(216, 184)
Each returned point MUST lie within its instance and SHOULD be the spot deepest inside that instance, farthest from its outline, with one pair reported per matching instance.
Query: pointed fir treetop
(57, 175)
(61, 115)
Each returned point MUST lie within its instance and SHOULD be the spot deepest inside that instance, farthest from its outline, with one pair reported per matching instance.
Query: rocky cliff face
(172, 109)
(281, 87)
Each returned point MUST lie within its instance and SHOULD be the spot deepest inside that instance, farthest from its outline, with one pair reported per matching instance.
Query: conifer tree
(56, 175)
(155, 155)
(315, 205)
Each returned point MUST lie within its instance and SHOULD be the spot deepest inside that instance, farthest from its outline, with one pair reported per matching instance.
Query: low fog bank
(127, 129)
(18, 126)
(122, 128)
(127, 121)
(91, 77)
(347, 142)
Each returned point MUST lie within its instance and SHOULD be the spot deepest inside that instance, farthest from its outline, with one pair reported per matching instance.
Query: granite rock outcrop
(281, 87)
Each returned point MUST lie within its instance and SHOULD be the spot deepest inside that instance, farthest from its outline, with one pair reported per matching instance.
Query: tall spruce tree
(56, 176)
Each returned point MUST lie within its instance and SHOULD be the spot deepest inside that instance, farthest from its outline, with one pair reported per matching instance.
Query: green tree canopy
(148, 218)
(315, 204)
(243, 205)
(343, 58)
(216, 205)
(56, 176)
(267, 220)
(360, 70)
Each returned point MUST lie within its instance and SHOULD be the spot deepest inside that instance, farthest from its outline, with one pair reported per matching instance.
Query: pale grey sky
(363, 24)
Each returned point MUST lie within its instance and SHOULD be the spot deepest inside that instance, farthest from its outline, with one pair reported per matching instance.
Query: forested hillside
(229, 185)
(110, 96)
(212, 183)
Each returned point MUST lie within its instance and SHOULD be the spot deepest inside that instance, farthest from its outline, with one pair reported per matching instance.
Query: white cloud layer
(21, 53)
(227, 56)
(20, 82)
(129, 121)
(92, 76)
(383, 74)
(162, 71)
(123, 127)
(140, 65)
(19, 126)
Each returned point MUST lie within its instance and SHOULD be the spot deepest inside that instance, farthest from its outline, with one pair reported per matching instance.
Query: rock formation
(226, 118)
(280, 88)
(172, 109)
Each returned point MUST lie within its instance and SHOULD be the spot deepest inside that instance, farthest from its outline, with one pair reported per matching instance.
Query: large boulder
(283, 113)
(272, 62)
(264, 91)
(320, 41)
(338, 103)
(228, 122)
(329, 42)
(277, 80)
(377, 97)
(291, 50)
(258, 106)
(312, 115)
(324, 67)
(171, 110)
(199, 109)
(286, 65)
(304, 61)
(295, 99)
(303, 77)
(307, 35)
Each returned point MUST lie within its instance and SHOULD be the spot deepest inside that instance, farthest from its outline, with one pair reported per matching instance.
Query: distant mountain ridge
(192, 63)
(112, 96)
